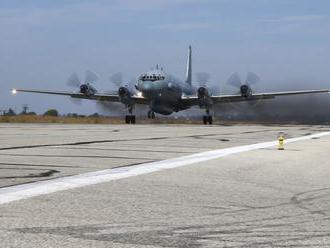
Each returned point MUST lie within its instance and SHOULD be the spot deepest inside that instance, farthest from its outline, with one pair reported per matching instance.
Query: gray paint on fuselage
(164, 95)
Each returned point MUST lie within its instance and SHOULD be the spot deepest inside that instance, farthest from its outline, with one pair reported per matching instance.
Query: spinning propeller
(235, 80)
(83, 87)
(245, 88)
(203, 79)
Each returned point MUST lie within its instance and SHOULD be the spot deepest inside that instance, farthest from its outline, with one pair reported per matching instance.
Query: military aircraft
(165, 94)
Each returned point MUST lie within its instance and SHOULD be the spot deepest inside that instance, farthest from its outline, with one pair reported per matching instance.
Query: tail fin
(188, 73)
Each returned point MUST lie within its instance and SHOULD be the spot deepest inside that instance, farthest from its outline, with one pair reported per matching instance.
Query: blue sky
(42, 42)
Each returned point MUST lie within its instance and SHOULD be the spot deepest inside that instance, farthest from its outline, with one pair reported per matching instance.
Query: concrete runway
(260, 198)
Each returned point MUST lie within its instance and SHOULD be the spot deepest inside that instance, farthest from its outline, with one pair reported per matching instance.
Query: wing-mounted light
(139, 94)
(14, 92)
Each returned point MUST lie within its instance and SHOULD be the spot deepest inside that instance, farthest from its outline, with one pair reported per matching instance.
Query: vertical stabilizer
(188, 73)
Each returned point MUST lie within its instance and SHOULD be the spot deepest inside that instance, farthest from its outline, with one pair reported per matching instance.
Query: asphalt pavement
(259, 198)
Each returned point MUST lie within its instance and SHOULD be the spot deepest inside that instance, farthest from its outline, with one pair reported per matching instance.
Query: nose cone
(146, 87)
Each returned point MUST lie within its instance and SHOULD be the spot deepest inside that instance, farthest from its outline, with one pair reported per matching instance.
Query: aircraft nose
(146, 87)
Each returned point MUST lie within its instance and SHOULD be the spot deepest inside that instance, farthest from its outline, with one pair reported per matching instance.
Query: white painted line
(29, 190)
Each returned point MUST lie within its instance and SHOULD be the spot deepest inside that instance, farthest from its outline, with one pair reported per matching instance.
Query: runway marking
(25, 191)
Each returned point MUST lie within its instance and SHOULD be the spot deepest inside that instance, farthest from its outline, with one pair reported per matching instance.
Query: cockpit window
(153, 77)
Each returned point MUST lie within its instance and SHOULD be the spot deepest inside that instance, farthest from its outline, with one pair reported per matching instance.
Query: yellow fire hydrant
(280, 142)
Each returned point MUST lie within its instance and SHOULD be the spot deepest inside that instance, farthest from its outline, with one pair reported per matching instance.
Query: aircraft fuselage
(164, 92)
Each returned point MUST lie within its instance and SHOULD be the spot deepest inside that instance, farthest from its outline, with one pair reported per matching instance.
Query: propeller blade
(90, 77)
(74, 81)
(112, 108)
(203, 78)
(117, 79)
(252, 78)
(215, 89)
(131, 85)
(235, 80)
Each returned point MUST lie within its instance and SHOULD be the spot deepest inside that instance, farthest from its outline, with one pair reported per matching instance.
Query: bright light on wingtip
(139, 94)
(14, 91)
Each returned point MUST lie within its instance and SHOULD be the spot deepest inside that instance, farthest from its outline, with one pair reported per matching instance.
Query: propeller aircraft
(165, 93)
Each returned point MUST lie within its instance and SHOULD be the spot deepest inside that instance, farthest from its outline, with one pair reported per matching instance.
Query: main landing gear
(151, 115)
(130, 119)
(207, 119)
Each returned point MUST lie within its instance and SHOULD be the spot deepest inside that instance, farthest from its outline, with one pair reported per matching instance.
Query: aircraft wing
(193, 100)
(97, 96)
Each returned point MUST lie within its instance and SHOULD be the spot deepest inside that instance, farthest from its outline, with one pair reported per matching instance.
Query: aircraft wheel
(205, 119)
(210, 119)
(151, 115)
(130, 119)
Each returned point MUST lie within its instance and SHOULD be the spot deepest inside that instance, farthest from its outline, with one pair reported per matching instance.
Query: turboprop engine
(204, 97)
(244, 87)
(202, 93)
(246, 90)
(87, 89)
(125, 95)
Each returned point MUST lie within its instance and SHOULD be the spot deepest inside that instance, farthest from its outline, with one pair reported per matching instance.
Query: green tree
(10, 112)
(95, 115)
(51, 112)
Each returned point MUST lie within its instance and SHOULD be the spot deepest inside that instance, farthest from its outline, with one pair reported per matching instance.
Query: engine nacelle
(204, 97)
(87, 89)
(123, 92)
(246, 90)
(125, 95)
(202, 93)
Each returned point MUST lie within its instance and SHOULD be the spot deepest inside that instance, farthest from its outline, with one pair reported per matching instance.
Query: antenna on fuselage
(189, 72)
